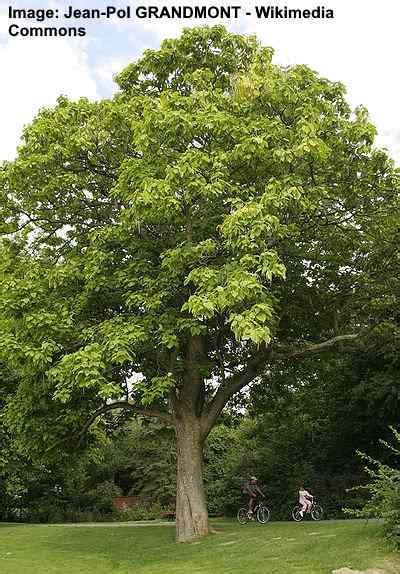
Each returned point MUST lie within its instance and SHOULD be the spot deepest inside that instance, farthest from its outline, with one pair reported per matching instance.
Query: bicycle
(261, 513)
(316, 512)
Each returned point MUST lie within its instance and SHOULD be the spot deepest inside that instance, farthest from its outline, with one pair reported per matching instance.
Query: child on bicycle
(305, 499)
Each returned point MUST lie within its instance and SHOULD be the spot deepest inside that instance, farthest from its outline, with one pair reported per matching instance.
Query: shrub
(151, 511)
(383, 490)
(102, 497)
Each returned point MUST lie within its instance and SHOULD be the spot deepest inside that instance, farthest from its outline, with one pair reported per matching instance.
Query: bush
(55, 505)
(102, 497)
(383, 490)
(152, 511)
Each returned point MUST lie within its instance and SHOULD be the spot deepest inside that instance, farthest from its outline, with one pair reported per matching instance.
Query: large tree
(166, 247)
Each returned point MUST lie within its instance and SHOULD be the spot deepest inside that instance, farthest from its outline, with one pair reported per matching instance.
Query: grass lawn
(275, 548)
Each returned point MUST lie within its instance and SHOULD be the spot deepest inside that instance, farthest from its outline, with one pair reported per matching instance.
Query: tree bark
(191, 506)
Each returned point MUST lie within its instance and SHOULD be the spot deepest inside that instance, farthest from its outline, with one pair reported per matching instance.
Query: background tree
(169, 246)
(141, 459)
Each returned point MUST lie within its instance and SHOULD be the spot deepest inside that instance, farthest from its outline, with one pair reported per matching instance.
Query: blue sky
(360, 47)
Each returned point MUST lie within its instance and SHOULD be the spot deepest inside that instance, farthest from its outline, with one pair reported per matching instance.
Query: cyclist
(252, 489)
(305, 499)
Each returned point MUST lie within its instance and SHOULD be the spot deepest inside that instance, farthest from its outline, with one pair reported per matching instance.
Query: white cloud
(359, 48)
(35, 72)
(106, 71)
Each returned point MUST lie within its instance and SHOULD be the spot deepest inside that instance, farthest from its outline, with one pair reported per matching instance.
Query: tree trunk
(191, 507)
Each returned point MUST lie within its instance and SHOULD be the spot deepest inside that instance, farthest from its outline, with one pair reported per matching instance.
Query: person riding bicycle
(305, 499)
(252, 489)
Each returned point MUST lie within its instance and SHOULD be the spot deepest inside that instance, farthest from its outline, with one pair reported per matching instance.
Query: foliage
(153, 464)
(383, 490)
(140, 458)
(67, 502)
(223, 481)
(152, 511)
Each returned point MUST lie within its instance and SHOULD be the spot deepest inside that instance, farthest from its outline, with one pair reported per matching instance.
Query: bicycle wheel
(297, 517)
(317, 512)
(243, 515)
(263, 514)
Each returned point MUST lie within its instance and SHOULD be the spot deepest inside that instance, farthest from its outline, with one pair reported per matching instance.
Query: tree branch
(231, 386)
(254, 368)
(123, 405)
(321, 346)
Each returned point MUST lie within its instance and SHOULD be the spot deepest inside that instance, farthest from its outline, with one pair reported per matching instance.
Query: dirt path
(142, 523)
(93, 524)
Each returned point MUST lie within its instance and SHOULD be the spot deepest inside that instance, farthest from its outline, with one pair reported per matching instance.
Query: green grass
(275, 548)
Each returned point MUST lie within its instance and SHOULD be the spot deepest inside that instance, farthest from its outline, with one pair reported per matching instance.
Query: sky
(359, 47)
